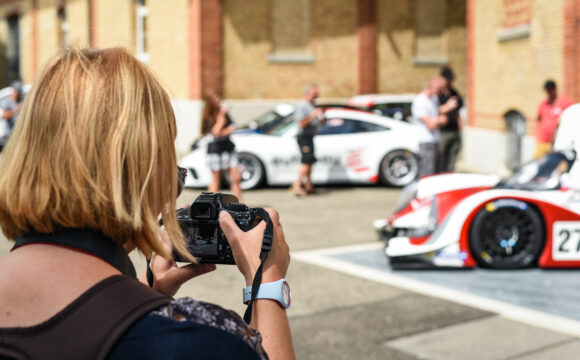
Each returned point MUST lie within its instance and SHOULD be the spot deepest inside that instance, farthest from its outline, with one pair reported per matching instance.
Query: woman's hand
(168, 277)
(246, 247)
(267, 316)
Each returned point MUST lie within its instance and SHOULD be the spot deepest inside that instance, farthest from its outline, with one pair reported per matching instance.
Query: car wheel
(398, 168)
(507, 234)
(251, 171)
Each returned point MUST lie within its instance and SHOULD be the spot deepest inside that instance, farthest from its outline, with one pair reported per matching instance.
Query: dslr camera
(199, 223)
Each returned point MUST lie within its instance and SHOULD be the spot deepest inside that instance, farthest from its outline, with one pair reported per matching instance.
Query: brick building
(514, 46)
(346, 46)
(252, 48)
(501, 50)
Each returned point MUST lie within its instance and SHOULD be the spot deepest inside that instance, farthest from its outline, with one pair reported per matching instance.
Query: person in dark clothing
(450, 136)
(308, 118)
(221, 154)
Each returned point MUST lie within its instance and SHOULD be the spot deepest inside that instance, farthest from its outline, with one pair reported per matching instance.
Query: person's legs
(235, 180)
(213, 162)
(308, 180)
(452, 153)
(444, 143)
(215, 184)
(449, 146)
(428, 159)
(306, 145)
(302, 174)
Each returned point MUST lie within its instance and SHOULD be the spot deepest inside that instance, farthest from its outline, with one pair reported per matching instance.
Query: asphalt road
(338, 313)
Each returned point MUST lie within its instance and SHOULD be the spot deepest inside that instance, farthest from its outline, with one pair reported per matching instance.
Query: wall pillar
(471, 61)
(367, 47)
(205, 47)
(92, 23)
(34, 30)
(571, 50)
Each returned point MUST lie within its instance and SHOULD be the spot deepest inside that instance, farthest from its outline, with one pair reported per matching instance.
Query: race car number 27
(566, 240)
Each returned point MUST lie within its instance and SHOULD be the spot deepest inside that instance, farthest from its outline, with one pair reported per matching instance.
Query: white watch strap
(277, 290)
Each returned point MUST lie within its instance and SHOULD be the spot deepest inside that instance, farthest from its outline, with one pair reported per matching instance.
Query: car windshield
(266, 118)
(540, 174)
(282, 127)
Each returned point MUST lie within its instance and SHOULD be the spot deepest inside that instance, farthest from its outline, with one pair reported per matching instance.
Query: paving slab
(551, 291)
(568, 350)
(486, 339)
(360, 332)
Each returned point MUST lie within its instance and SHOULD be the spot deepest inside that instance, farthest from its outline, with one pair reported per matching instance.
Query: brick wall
(77, 13)
(396, 39)
(247, 44)
(367, 48)
(115, 23)
(168, 48)
(571, 49)
(211, 45)
(509, 74)
(115, 26)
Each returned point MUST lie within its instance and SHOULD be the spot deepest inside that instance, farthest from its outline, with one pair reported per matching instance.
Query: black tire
(507, 234)
(398, 168)
(251, 171)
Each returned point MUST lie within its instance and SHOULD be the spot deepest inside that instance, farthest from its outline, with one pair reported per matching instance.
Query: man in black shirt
(450, 139)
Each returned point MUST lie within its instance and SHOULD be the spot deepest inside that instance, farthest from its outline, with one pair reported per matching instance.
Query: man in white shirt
(430, 116)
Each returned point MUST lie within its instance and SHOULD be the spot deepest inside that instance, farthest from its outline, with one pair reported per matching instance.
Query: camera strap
(88, 241)
(266, 247)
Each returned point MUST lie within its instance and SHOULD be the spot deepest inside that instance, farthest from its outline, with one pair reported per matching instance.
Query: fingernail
(222, 214)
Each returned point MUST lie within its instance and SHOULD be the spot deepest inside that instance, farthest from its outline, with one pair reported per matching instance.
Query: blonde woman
(88, 171)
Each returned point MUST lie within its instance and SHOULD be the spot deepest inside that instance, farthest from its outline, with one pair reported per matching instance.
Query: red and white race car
(464, 220)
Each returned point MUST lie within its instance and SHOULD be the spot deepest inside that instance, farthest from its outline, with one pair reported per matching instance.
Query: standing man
(450, 136)
(549, 111)
(430, 116)
(308, 117)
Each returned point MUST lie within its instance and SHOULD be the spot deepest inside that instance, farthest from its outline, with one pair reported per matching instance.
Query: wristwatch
(277, 290)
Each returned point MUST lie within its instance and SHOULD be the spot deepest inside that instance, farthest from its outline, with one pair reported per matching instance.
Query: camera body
(199, 223)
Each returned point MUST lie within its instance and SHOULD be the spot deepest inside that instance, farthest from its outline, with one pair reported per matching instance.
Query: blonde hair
(93, 148)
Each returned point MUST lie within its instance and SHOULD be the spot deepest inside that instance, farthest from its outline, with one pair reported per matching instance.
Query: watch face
(286, 293)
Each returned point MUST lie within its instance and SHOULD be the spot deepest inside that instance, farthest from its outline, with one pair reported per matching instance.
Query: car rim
(400, 168)
(508, 235)
(250, 171)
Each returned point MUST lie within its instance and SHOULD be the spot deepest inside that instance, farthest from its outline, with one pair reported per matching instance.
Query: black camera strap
(266, 247)
(89, 241)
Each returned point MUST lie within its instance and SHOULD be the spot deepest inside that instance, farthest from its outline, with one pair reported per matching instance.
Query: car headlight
(407, 195)
(426, 225)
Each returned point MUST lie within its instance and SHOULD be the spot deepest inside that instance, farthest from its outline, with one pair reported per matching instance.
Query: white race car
(464, 220)
(397, 106)
(353, 146)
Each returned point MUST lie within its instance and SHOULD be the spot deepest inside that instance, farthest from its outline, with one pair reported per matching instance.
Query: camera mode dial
(237, 207)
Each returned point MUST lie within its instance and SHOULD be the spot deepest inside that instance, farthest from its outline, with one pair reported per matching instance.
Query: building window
(430, 39)
(516, 19)
(290, 21)
(141, 13)
(63, 26)
(13, 48)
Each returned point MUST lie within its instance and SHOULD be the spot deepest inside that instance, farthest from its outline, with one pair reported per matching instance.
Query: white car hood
(435, 184)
